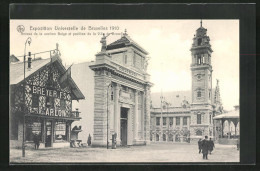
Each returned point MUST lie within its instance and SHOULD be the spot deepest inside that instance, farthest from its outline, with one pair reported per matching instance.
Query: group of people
(205, 146)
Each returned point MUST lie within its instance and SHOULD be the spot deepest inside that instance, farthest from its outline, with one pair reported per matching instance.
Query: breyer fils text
(55, 112)
(49, 93)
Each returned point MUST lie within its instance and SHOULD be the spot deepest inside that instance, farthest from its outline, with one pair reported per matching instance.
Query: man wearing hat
(205, 147)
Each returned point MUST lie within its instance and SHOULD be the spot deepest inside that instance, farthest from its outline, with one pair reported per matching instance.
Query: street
(155, 152)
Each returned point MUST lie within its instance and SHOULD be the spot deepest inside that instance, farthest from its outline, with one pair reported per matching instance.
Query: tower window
(198, 118)
(199, 94)
(157, 121)
(199, 41)
(199, 60)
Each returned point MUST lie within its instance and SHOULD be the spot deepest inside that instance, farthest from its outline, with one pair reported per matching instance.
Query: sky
(167, 41)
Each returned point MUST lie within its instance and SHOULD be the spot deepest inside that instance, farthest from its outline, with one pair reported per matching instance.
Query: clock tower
(201, 70)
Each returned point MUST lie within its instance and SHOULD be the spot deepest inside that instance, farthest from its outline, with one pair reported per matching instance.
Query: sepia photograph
(123, 91)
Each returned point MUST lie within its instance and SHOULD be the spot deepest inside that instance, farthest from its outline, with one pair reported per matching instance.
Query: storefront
(47, 113)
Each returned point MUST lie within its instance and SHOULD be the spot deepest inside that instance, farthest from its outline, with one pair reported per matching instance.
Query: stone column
(188, 123)
(116, 96)
(147, 114)
(174, 122)
(181, 122)
(136, 117)
(228, 129)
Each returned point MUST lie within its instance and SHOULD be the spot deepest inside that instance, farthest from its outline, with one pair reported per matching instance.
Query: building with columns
(121, 93)
(190, 120)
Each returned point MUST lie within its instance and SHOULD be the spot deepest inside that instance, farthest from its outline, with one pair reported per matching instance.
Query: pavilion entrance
(123, 125)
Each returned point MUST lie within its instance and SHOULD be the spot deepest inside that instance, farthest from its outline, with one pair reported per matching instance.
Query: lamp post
(109, 85)
(161, 120)
(28, 40)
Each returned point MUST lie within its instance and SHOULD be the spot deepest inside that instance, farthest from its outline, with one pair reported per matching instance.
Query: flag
(64, 78)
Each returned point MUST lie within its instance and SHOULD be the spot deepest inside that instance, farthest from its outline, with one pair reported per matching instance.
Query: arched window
(199, 132)
(199, 41)
(157, 137)
(199, 94)
(198, 118)
(170, 137)
(199, 60)
(164, 137)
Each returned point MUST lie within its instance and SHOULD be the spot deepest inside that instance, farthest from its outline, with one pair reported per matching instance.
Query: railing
(75, 114)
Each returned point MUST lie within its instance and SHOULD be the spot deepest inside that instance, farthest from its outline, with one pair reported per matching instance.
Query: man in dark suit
(205, 147)
(211, 145)
(199, 145)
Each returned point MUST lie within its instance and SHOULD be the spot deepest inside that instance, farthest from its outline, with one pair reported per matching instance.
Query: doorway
(48, 134)
(123, 126)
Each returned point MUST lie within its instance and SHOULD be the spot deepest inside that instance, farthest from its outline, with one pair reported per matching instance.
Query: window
(184, 120)
(33, 127)
(125, 59)
(199, 94)
(164, 120)
(171, 121)
(14, 128)
(198, 118)
(199, 60)
(157, 121)
(199, 41)
(112, 95)
(164, 137)
(177, 120)
(199, 132)
(35, 100)
(157, 137)
(60, 131)
(210, 119)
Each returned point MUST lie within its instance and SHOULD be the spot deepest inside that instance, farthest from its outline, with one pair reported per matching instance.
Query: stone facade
(201, 70)
(121, 94)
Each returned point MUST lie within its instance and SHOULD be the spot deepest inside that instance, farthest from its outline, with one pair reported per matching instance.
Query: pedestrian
(211, 145)
(205, 147)
(238, 144)
(36, 141)
(199, 145)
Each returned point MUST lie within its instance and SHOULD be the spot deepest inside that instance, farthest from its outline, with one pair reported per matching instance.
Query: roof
(230, 115)
(17, 73)
(174, 97)
(13, 58)
(124, 41)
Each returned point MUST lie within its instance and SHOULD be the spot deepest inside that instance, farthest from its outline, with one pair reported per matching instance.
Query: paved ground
(162, 152)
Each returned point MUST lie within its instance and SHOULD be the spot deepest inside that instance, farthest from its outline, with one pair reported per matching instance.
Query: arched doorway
(157, 137)
(164, 137)
(170, 137)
